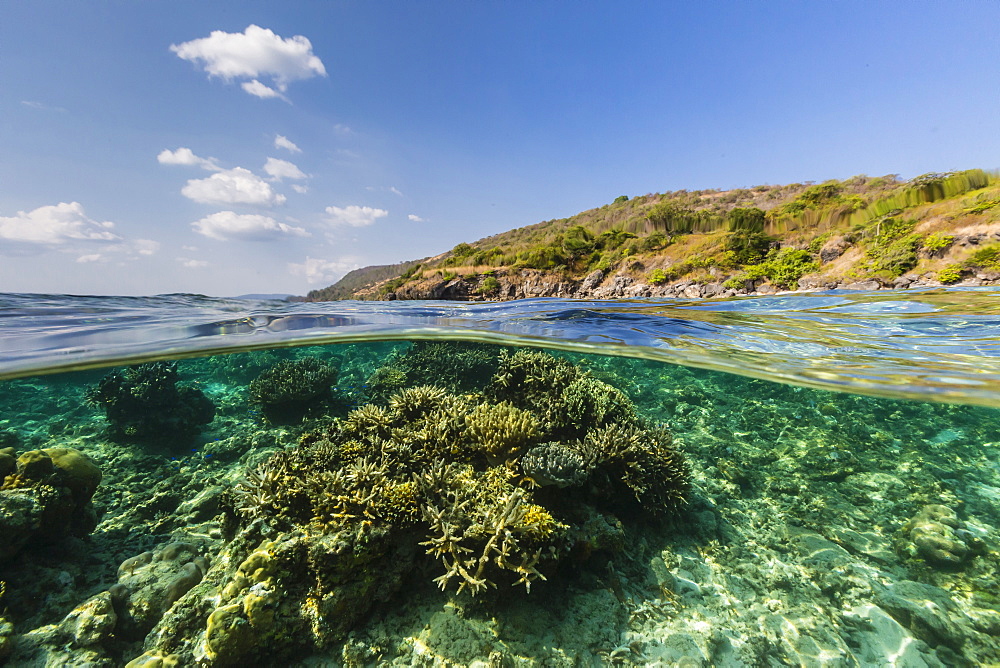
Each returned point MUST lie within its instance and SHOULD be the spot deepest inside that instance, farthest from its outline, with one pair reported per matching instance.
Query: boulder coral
(45, 496)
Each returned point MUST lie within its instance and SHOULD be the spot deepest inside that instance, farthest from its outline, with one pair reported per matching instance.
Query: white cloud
(395, 191)
(342, 129)
(185, 156)
(142, 246)
(302, 190)
(281, 141)
(92, 257)
(282, 169)
(52, 226)
(257, 89)
(416, 219)
(356, 216)
(254, 54)
(231, 226)
(323, 271)
(192, 264)
(41, 106)
(232, 186)
(190, 249)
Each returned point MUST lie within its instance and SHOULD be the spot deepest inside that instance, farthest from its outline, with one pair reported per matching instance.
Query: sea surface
(803, 479)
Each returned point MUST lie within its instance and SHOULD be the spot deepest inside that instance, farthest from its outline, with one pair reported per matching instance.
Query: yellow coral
(501, 429)
(537, 522)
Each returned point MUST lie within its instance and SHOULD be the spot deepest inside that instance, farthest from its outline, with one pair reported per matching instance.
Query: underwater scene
(186, 482)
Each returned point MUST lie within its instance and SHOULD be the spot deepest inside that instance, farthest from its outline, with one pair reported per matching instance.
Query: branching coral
(568, 401)
(501, 543)
(286, 390)
(501, 430)
(144, 402)
(455, 366)
(493, 482)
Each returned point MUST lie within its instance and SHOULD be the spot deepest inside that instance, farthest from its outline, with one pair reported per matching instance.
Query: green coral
(455, 366)
(286, 390)
(145, 403)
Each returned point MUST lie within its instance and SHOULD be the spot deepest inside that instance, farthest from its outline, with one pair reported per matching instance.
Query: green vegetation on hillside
(740, 237)
(358, 280)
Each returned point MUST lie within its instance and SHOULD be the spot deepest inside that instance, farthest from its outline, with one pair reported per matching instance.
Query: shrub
(783, 268)
(937, 242)
(489, 286)
(897, 257)
(657, 277)
(749, 219)
(980, 207)
(950, 274)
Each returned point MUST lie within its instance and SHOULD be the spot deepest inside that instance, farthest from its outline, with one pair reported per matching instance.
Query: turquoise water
(808, 479)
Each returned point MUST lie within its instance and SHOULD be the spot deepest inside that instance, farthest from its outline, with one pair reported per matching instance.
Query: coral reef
(287, 390)
(325, 531)
(456, 366)
(145, 403)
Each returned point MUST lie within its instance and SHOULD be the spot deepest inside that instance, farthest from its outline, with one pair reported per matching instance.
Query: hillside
(861, 232)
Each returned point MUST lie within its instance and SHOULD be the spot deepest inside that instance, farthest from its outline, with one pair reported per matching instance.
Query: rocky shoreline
(533, 283)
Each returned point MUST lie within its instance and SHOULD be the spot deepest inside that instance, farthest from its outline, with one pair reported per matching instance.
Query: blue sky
(227, 148)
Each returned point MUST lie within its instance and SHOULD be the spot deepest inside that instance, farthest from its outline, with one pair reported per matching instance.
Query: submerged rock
(47, 497)
(937, 536)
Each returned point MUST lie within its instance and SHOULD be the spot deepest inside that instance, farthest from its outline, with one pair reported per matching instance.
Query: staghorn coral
(567, 401)
(501, 430)
(455, 366)
(286, 390)
(644, 459)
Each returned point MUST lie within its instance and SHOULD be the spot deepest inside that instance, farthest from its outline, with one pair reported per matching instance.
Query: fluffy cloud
(416, 219)
(54, 226)
(232, 186)
(302, 190)
(254, 54)
(281, 141)
(185, 156)
(192, 264)
(231, 226)
(282, 169)
(322, 271)
(356, 216)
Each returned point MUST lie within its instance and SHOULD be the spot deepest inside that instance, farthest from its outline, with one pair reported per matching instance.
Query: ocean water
(806, 480)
